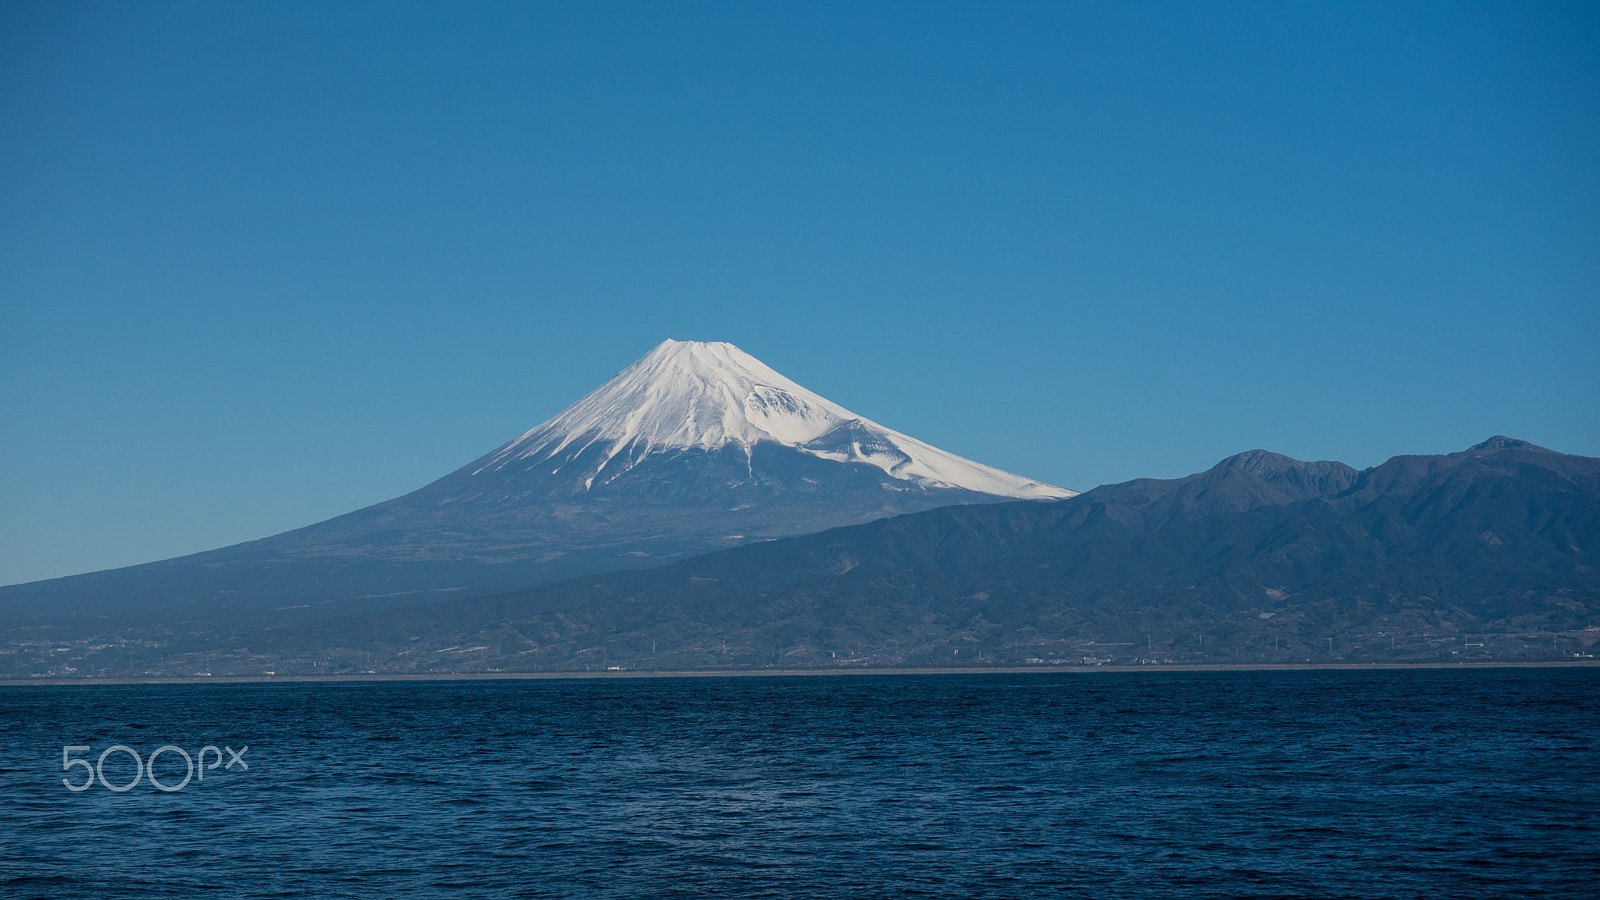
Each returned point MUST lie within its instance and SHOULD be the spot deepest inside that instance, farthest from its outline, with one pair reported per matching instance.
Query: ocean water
(1400, 783)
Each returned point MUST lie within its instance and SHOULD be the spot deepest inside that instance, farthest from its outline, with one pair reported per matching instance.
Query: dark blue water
(1253, 784)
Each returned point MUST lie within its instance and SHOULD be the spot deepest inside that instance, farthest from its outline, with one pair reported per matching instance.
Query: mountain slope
(686, 395)
(695, 447)
(1261, 558)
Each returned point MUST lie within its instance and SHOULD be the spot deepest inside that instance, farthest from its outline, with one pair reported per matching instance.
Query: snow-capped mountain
(686, 395)
(695, 447)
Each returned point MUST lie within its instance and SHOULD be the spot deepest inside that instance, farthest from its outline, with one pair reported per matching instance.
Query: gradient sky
(265, 263)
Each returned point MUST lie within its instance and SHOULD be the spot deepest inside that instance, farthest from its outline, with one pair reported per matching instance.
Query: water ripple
(1291, 784)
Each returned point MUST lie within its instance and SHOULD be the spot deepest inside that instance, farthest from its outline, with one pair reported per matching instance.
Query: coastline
(635, 675)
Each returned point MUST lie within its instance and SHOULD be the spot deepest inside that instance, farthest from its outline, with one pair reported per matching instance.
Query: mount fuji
(695, 447)
(713, 397)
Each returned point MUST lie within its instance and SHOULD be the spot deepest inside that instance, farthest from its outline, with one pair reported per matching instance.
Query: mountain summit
(688, 395)
(695, 447)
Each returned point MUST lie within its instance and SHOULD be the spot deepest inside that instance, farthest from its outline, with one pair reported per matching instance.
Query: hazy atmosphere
(262, 264)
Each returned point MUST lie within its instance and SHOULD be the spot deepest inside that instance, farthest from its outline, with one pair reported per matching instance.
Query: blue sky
(265, 263)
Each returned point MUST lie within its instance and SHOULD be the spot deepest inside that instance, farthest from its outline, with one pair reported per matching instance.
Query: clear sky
(265, 263)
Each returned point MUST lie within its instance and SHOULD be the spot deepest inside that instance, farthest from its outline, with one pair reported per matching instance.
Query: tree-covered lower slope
(1493, 552)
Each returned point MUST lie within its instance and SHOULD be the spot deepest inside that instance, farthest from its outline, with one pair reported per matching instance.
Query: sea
(1317, 784)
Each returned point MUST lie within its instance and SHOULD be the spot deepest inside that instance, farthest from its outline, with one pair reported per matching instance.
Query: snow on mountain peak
(708, 395)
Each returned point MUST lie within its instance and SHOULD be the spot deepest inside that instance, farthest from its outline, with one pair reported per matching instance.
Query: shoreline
(786, 673)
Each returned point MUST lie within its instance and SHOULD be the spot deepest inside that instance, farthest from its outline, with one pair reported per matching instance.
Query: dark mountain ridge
(1493, 552)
